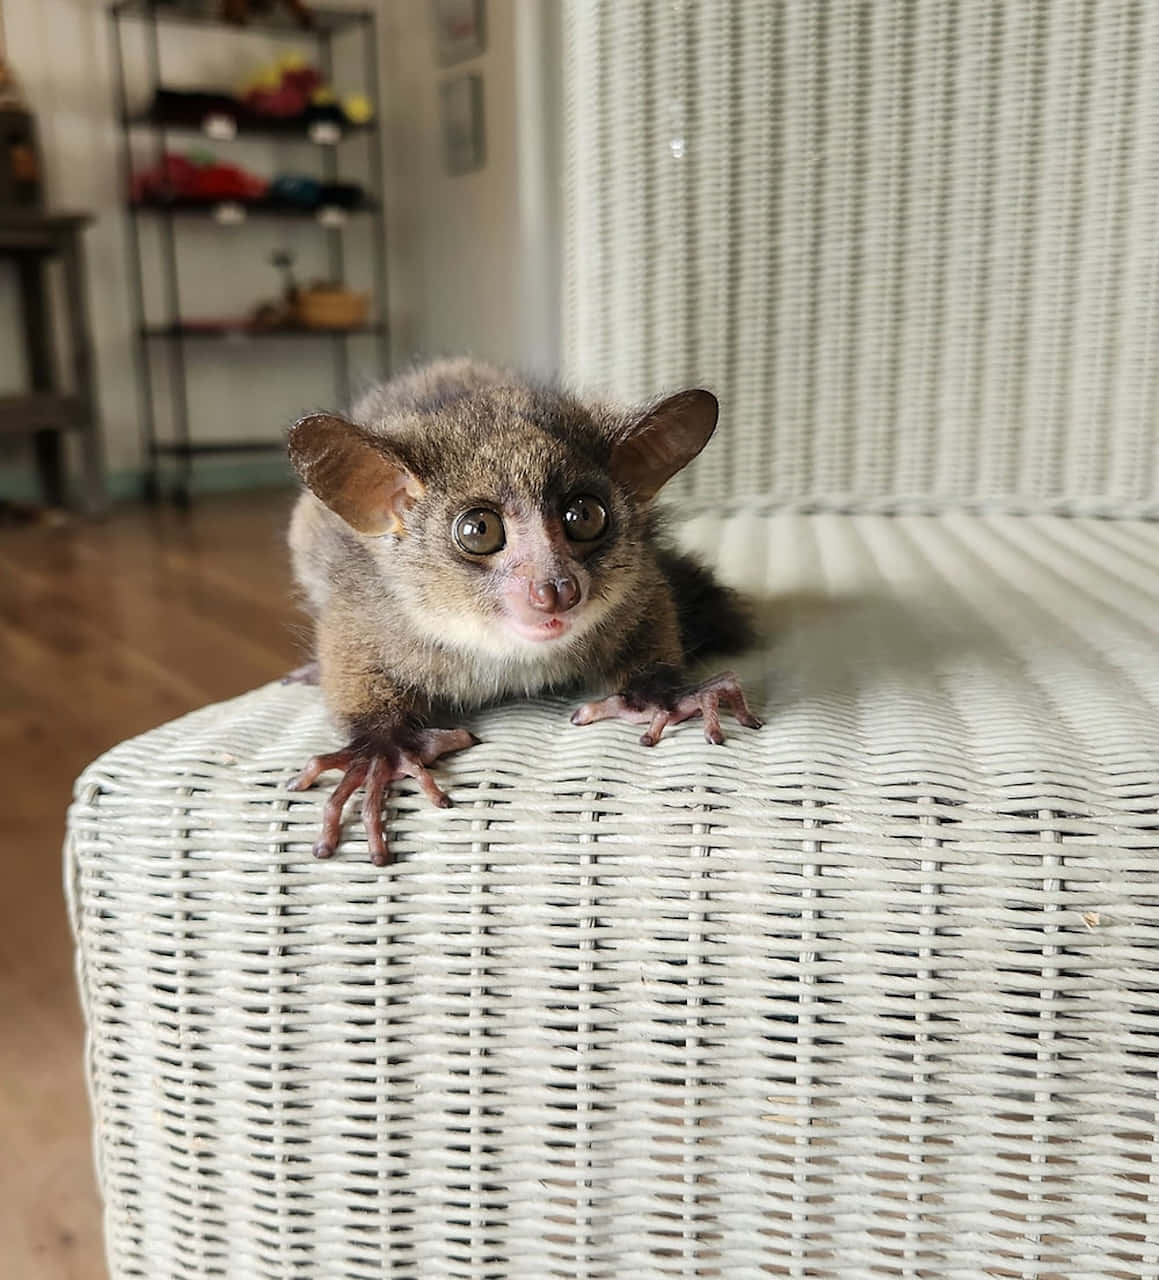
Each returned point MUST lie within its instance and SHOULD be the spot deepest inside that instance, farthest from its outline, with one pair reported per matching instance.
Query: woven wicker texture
(869, 993)
(911, 245)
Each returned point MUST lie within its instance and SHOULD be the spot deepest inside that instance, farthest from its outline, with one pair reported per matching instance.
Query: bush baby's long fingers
(710, 704)
(740, 708)
(655, 730)
(372, 802)
(317, 766)
(332, 813)
(413, 767)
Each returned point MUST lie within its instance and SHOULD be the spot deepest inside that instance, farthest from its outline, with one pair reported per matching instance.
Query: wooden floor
(106, 630)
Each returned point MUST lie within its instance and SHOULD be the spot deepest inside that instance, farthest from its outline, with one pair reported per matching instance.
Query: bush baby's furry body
(470, 535)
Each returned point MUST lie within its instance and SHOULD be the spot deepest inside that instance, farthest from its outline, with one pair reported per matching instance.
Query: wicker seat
(875, 984)
(873, 992)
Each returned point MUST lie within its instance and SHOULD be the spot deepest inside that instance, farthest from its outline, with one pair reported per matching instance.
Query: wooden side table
(47, 410)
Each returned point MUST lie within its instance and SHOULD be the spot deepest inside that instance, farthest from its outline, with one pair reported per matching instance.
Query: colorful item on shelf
(306, 192)
(357, 108)
(283, 89)
(296, 189)
(197, 176)
(281, 95)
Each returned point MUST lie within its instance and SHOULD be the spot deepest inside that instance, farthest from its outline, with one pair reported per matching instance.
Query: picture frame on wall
(461, 113)
(460, 30)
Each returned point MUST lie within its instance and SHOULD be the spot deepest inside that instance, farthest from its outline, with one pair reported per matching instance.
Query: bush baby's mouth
(548, 629)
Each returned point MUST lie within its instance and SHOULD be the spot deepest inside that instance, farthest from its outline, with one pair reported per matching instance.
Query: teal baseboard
(18, 482)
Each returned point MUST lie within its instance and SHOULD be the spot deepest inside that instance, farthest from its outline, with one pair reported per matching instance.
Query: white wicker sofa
(871, 993)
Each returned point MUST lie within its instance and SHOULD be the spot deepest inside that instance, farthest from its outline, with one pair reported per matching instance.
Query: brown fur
(395, 611)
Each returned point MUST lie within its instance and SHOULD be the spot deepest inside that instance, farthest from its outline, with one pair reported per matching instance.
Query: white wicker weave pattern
(911, 245)
(869, 993)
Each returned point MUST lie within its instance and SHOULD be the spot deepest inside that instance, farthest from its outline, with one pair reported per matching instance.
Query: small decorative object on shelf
(321, 305)
(332, 306)
(20, 185)
(283, 313)
(283, 259)
(291, 99)
(357, 108)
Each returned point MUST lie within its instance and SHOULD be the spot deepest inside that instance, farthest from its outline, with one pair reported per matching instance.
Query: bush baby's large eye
(584, 518)
(480, 531)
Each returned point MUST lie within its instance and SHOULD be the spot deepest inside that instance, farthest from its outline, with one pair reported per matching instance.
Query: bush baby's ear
(663, 441)
(357, 475)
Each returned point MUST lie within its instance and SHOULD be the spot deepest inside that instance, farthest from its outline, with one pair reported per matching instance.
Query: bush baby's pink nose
(554, 596)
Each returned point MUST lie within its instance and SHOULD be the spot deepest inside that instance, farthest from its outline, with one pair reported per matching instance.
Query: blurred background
(911, 245)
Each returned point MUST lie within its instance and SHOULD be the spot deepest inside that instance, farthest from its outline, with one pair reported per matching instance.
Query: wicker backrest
(914, 245)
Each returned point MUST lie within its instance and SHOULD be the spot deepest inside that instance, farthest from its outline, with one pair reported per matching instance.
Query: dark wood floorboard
(106, 630)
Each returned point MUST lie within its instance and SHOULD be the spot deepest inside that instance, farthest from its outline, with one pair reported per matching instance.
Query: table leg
(83, 372)
(41, 373)
(47, 447)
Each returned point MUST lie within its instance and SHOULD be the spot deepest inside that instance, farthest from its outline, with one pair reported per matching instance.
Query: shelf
(326, 21)
(189, 344)
(235, 212)
(250, 127)
(192, 450)
(240, 333)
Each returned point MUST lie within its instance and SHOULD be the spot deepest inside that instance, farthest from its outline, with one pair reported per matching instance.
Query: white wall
(470, 253)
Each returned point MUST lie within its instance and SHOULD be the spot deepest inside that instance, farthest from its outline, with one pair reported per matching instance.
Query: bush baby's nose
(556, 595)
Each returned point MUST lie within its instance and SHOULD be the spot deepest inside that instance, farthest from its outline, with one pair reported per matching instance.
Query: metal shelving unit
(177, 455)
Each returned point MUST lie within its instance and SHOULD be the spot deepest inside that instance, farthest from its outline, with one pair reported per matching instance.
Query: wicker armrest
(871, 992)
